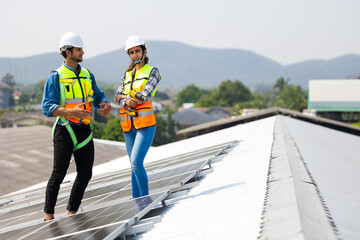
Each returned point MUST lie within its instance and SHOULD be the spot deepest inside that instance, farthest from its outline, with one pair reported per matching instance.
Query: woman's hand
(119, 97)
(131, 102)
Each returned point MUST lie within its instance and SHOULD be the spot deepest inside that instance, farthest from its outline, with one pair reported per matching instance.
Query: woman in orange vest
(137, 117)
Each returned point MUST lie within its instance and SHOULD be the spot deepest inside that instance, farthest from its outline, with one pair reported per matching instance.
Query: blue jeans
(138, 142)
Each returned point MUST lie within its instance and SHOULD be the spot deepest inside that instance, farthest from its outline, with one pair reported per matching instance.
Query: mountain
(30, 70)
(346, 66)
(182, 64)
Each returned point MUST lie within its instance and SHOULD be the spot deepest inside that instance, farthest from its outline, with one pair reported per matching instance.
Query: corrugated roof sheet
(333, 159)
(26, 156)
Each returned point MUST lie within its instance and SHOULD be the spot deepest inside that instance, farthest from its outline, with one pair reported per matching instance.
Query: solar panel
(22, 210)
(168, 180)
(151, 177)
(122, 212)
(106, 209)
(159, 180)
(66, 186)
(116, 191)
(105, 232)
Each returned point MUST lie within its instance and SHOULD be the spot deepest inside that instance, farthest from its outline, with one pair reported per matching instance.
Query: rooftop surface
(26, 157)
(274, 178)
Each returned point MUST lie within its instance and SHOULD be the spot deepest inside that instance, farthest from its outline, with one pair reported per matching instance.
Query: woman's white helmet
(70, 39)
(134, 41)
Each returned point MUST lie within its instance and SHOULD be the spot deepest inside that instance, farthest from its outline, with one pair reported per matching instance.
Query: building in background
(335, 99)
(4, 95)
(188, 115)
(217, 112)
(191, 116)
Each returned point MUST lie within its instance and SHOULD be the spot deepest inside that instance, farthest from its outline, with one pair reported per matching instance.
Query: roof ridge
(290, 184)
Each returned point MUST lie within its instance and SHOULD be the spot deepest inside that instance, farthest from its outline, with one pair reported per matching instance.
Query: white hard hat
(70, 39)
(134, 41)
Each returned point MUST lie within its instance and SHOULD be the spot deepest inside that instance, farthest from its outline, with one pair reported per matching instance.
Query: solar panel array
(107, 209)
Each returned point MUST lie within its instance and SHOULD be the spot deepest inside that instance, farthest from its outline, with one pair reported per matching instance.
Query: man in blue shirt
(68, 92)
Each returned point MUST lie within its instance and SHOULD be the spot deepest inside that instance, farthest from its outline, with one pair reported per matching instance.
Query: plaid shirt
(148, 90)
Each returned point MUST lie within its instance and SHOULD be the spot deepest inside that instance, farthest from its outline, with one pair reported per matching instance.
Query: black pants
(84, 159)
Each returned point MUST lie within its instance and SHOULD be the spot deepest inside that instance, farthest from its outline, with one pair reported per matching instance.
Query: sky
(287, 31)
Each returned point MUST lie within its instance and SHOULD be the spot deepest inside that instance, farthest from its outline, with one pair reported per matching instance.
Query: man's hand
(105, 109)
(79, 112)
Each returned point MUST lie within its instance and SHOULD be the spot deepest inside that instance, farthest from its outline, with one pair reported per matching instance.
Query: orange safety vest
(137, 83)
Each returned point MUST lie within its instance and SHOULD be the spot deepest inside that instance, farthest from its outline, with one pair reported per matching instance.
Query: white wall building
(338, 95)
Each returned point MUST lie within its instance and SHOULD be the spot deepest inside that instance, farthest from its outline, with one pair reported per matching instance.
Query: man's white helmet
(70, 39)
(134, 41)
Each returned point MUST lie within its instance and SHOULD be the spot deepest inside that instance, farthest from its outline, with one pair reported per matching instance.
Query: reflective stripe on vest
(76, 100)
(146, 117)
(141, 114)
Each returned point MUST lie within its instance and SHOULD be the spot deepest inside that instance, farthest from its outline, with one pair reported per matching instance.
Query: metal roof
(287, 179)
(278, 177)
(332, 159)
(26, 157)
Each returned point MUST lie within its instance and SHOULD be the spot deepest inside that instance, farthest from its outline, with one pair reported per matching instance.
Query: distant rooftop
(4, 85)
(26, 156)
(191, 116)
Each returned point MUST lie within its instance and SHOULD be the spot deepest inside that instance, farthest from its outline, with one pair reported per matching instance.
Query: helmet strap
(140, 60)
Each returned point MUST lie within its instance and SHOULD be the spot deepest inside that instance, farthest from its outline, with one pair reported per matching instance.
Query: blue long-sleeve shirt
(51, 95)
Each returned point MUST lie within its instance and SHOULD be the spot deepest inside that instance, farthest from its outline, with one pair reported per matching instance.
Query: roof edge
(232, 121)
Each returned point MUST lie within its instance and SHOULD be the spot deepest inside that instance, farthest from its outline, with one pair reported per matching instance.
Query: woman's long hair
(132, 64)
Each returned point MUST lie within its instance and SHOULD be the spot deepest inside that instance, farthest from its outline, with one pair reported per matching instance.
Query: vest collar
(70, 68)
(143, 67)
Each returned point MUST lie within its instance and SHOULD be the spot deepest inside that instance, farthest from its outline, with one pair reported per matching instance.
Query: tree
(171, 127)
(39, 91)
(9, 79)
(206, 101)
(24, 99)
(98, 131)
(258, 102)
(165, 130)
(280, 84)
(229, 93)
(190, 94)
(113, 131)
(292, 97)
